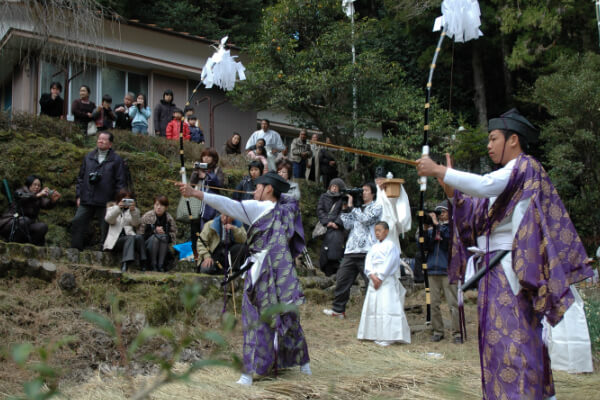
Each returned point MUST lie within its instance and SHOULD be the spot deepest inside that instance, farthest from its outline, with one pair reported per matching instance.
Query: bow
(459, 20)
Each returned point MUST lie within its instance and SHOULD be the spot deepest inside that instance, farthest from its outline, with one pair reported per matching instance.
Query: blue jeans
(299, 169)
(140, 128)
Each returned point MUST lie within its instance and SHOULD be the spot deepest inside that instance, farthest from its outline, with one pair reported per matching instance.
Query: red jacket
(174, 127)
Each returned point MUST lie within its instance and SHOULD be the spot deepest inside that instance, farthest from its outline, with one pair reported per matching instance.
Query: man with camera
(101, 176)
(360, 222)
(437, 244)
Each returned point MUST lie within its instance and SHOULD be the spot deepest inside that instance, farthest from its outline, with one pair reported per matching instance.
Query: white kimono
(383, 317)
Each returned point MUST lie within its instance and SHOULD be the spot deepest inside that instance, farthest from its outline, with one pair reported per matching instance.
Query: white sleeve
(246, 211)
(279, 143)
(390, 262)
(485, 186)
(251, 141)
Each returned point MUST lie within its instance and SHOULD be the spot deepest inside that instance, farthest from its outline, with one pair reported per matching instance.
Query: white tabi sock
(245, 379)
(305, 369)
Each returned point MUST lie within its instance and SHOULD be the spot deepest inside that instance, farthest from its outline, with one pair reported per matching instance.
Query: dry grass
(345, 368)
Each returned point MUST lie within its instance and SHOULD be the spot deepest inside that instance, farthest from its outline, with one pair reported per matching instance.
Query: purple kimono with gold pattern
(547, 257)
(280, 343)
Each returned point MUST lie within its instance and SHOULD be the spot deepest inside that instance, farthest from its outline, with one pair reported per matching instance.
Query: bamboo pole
(215, 187)
(366, 153)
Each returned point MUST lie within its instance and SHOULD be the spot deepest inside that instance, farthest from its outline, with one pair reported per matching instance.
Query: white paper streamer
(461, 20)
(348, 7)
(221, 69)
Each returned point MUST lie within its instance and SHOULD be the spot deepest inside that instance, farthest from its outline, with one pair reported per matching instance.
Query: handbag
(92, 129)
(182, 211)
(319, 229)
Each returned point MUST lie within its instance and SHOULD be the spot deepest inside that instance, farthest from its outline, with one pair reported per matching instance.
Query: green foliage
(44, 385)
(571, 95)
(592, 315)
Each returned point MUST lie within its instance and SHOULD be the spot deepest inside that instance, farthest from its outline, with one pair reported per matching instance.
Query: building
(136, 57)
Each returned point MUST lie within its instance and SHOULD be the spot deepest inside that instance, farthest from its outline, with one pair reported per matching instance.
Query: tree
(571, 95)
(302, 64)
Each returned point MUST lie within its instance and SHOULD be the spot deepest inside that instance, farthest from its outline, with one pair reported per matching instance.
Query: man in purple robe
(514, 208)
(276, 237)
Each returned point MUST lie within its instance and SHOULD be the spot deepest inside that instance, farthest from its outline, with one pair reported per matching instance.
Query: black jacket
(246, 185)
(163, 114)
(112, 180)
(329, 209)
(325, 157)
(52, 108)
(123, 119)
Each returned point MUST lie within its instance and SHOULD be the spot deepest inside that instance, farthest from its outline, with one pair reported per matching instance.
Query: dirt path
(345, 368)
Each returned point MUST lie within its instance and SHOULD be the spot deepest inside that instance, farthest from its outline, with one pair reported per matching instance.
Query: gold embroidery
(519, 336)
(498, 322)
(504, 299)
(493, 337)
(566, 236)
(542, 290)
(508, 375)
(555, 285)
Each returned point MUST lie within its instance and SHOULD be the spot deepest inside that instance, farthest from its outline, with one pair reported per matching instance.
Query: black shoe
(124, 266)
(437, 337)
(457, 340)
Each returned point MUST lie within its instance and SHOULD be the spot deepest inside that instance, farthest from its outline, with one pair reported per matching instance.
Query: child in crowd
(104, 115)
(140, 113)
(382, 318)
(196, 134)
(258, 152)
(174, 127)
(188, 111)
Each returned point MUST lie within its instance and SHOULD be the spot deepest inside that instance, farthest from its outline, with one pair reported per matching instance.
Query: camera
(94, 177)
(51, 192)
(200, 165)
(128, 202)
(428, 219)
(356, 194)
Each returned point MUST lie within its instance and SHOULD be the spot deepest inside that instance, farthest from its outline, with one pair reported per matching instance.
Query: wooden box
(392, 187)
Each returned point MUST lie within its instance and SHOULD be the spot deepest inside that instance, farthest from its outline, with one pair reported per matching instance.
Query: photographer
(220, 238)
(360, 221)
(329, 211)
(206, 173)
(140, 114)
(123, 218)
(27, 204)
(437, 244)
(101, 175)
(122, 112)
(159, 230)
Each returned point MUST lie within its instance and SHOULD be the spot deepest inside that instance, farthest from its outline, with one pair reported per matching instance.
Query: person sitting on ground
(174, 127)
(255, 169)
(159, 230)
(382, 318)
(222, 239)
(123, 218)
(163, 113)
(21, 217)
(329, 211)
(51, 103)
(104, 115)
(233, 144)
(284, 169)
(140, 113)
(122, 112)
(196, 134)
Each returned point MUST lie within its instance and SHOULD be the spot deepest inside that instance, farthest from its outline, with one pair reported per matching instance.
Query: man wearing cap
(514, 208)
(276, 237)
(437, 243)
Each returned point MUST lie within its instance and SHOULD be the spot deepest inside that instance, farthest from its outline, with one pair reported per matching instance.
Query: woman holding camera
(159, 230)
(19, 223)
(329, 209)
(207, 174)
(123, 218)
(140, 114)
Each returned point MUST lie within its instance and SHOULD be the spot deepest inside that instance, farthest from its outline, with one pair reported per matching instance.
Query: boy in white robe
(383, 318)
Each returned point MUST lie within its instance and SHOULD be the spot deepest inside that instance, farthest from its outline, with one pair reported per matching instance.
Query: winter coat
(329, 209)
(123, 118)
(112, 180)
(211, 235)
(104, 118)
(29, 204)
(437, 246)
(325, 157)
(80, 111)
(119, 220)
(163, 114)
(51, 108)
(246, 185)
(139, 116)
(297, 148)
(149, 219)
(196, 134)
(214, 178)
(174, 127)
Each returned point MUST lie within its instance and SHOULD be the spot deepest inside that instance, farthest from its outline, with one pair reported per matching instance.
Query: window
(113, 84)
(51, 73)
(137, 83)
(87, 76)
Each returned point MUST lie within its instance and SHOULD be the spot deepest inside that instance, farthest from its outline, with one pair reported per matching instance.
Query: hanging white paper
(461, 20)
(221, 69)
